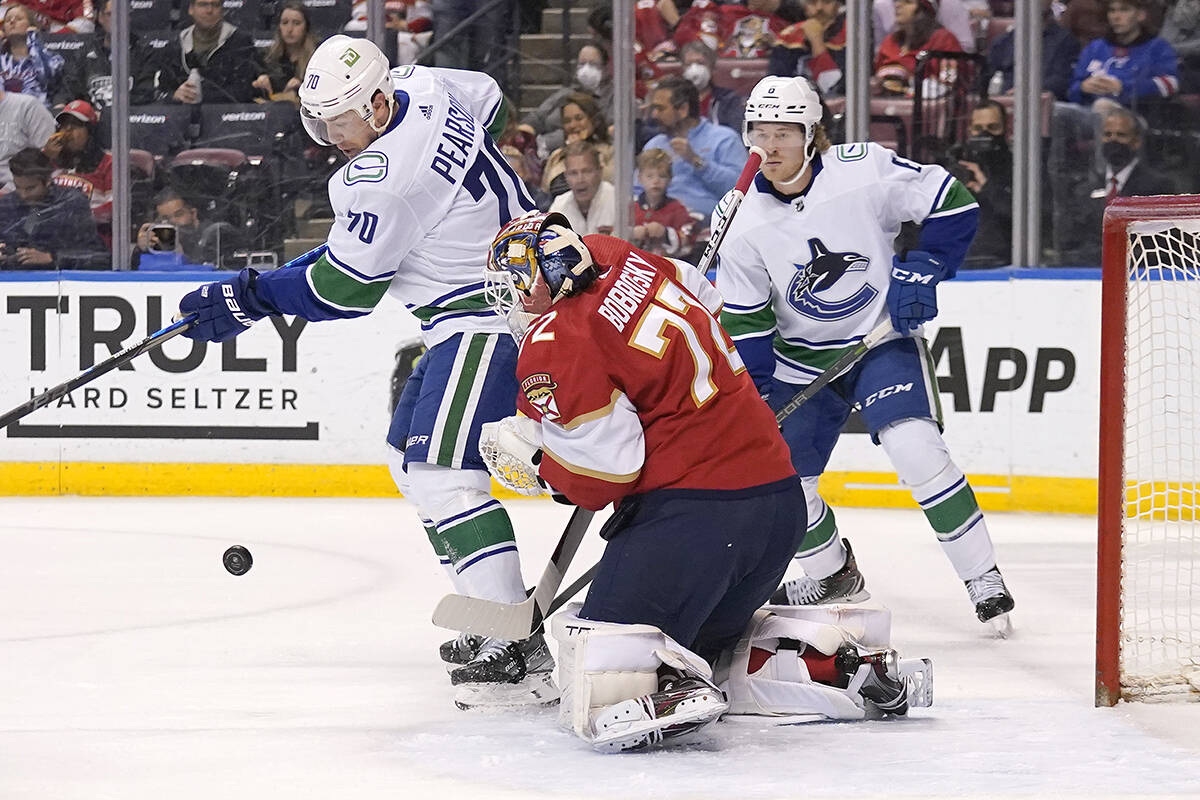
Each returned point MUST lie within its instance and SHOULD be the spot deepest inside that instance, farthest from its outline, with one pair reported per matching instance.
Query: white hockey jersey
(840, 231)
(416, 212)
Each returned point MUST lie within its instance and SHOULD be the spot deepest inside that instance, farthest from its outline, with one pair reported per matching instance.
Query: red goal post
(1148, 565)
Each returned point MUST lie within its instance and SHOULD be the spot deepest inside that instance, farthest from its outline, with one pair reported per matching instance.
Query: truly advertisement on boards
(287, 391)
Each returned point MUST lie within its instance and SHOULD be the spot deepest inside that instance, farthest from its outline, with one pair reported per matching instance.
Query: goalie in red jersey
(632, 394)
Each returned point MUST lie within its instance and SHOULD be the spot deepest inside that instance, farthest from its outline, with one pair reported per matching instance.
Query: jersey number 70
(668, 310)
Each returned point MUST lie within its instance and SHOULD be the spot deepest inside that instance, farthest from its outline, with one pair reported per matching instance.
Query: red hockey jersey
(638, 388)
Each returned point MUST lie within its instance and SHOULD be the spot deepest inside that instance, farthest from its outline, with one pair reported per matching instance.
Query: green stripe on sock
(467, 538)
(458, 403)
(953, 512)
(346, 291)
(819, 534)
(435, 539)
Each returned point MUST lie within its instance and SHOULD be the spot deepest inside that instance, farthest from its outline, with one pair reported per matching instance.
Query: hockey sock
(439, 547)
(821, 551)
(482, 547)
(922, 461)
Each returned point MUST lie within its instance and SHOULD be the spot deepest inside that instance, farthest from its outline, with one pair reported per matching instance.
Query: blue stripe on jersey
(401, 109)
(437, 301)
(449, 315)
(818, 344)
(941, 192)
(735, 307)
(365, 277)
(524, 199)
(797, 366)
(949, 238)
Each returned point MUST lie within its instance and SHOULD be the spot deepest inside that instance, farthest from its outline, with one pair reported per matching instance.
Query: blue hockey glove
(224, 308)
(912, 296)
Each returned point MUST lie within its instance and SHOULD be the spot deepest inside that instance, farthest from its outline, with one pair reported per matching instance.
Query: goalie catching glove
(912, 296)
(512, 449)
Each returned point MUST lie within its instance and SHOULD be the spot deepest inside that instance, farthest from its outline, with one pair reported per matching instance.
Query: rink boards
(291, 408)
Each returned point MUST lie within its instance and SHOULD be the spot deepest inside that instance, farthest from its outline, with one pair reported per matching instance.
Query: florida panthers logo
(539, 391)
(822, 272)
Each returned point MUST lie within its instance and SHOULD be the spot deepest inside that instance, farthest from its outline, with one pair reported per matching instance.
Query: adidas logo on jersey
(426, 111)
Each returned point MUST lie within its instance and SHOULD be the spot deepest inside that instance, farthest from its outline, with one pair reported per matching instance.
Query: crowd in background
(1121, 81)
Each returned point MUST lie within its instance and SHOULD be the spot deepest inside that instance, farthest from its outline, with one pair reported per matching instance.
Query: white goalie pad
(511, 448)
(602, 664)
(868, 625)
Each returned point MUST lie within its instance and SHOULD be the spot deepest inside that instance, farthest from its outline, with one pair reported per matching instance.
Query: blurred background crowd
(222, 175)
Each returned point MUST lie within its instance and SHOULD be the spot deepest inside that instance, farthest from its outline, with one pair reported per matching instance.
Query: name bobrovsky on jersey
(627, 292)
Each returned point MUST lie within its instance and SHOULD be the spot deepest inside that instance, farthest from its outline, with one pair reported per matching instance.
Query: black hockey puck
(237, 560)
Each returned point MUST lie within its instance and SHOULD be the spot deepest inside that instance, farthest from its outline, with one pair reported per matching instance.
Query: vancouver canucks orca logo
(823, 270)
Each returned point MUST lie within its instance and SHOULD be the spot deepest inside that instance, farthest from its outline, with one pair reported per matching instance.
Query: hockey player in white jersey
(807, 269)
(416, 206)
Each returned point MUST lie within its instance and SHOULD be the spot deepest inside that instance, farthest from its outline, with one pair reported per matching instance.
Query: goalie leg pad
(603, 665)
(922, 461)
(475, 530)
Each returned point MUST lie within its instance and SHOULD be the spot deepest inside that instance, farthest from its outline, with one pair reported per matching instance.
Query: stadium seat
(246, 14)
(256, 129)
(160, 129)
(155, 41)
(147, 15)
(997, 27)
(328, 16)
(739, 74)
(263, 40)
(142, 162)
(69, 45)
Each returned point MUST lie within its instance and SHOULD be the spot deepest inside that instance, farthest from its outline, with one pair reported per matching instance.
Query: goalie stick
(91, 373)
(514, 621)
(848, 359)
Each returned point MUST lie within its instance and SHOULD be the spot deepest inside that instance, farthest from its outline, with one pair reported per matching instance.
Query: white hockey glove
(512, 450)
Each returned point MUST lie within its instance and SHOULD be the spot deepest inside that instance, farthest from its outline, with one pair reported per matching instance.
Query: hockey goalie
(632, 394)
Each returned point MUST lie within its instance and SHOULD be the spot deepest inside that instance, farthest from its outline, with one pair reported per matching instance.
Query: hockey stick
(566, 594)
(848, 359)
(513, 621)
(91, 373)
(715, 238)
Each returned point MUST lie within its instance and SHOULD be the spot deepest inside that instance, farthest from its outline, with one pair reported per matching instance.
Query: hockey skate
(992, 601)
(887, 684)
(847, 585)
(460, 650)
(507, 675)
(680, 707)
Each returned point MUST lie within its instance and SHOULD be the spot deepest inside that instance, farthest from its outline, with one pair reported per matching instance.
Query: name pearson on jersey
(627, 292)
(459, 133)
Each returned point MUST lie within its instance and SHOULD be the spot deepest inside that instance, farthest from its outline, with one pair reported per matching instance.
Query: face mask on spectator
(588, 75)
(1117, 154)
(698, 75)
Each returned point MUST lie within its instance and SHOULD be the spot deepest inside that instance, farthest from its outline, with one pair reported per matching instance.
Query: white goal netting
(1160, 565)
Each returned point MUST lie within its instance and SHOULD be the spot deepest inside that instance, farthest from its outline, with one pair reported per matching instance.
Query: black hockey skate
(883, 686)
(460, 650)
(992, 600)
(507, 674)
(847, 585)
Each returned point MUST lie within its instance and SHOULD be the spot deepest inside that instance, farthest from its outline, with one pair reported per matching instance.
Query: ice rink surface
(132, 665)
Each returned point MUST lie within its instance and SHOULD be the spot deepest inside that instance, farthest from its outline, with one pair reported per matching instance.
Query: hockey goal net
(1148, 577)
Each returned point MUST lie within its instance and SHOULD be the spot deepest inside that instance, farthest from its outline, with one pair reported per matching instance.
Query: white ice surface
(133, 666)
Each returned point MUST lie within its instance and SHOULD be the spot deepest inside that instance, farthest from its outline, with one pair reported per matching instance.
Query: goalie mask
(790, 100)
(343, 75)
(535, 261)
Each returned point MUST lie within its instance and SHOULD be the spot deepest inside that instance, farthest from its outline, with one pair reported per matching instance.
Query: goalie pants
(697, 564)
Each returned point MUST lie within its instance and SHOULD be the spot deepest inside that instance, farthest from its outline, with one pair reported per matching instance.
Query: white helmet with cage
(777, 99)
(343, 75)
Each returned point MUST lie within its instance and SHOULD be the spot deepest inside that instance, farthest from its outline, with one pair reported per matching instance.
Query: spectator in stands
(194, 240)
(80, 162)
(412, 23)
(1087, 20)
(593, 77)
(591, 203)
(916, 29)
(814, 48)
(24, 122)
(222, 54)
(26, 66)
(707, 157)
(1059, 52)
(987, 159)
(287, 57)
(62, 16)
(1181, 29)
(516, 160)
(733, 30)
(582, 121)
(953, 15)
(90, 77)
(718, 104)
(43, 225)
(661, 224)
(1128, 65)
(480, 46)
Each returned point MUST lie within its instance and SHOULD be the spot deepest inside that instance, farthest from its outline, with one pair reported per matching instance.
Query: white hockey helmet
(343, 75)
(778, 99)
